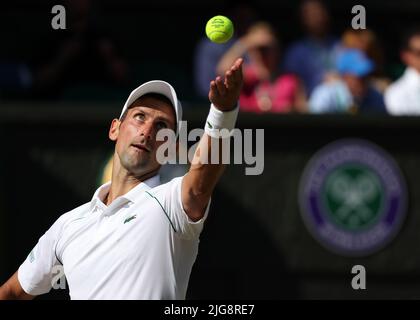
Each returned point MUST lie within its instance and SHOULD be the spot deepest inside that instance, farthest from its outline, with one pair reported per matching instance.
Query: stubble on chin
(135, 164)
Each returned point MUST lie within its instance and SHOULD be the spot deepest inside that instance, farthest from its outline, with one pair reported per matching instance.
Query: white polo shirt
(403, 96)
(142, 246)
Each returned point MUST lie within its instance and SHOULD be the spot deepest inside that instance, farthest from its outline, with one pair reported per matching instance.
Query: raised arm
(199, 182)
(12, 290)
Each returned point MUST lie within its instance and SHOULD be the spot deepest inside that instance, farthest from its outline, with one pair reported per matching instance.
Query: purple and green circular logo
(352, 197)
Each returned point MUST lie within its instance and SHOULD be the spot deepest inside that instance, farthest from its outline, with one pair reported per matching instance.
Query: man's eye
(140, 116)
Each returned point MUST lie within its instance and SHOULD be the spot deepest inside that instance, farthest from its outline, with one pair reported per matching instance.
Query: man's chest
(132, 236)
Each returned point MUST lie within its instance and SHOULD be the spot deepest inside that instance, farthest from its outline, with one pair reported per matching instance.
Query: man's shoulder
(401, 97)
(75, 213)
(164, 187)
(66, 218)
(398, 89)
(82, 208)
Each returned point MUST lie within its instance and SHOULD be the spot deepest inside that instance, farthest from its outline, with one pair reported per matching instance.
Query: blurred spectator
(312, 57)
(351, 92)
(81, 54)
(367, 41)
(403, 96)
(207, 54)
(206, 57)
(264, 89)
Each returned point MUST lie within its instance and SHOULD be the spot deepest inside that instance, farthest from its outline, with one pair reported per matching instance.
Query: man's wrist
(221, 123)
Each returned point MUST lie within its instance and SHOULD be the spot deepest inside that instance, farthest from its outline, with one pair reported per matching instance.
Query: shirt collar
(99, 195)
(102, 191)
(150, 183)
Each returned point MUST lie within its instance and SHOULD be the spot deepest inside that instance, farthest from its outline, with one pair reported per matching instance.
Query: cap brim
(160, 87)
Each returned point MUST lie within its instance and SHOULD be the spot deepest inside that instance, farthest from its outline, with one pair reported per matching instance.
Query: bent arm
(12, 290)
(200, 181)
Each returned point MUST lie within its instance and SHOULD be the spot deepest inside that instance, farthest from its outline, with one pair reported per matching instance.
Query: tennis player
(136, 238)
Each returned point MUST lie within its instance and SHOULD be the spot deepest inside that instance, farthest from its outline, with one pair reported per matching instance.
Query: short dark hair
(153, 95)
(408, 35)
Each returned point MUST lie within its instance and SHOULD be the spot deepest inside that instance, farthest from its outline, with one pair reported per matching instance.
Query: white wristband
(220, 124)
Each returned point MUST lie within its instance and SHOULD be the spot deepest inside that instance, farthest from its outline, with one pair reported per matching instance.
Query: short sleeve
(179, 219)
(36, 272)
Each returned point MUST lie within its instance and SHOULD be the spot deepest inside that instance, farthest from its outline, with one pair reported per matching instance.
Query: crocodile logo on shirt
(130, 218)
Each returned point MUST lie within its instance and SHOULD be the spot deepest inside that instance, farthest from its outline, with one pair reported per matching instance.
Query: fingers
(220, 86)
(234, 75)
(237, 70)
(229, 80)
(238, 63)
(232, 79)
(214, 92)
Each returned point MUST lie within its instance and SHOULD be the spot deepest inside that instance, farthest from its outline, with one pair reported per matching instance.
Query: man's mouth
(141, 147)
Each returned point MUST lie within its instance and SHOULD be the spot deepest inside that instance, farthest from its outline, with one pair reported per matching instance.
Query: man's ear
(114, 130)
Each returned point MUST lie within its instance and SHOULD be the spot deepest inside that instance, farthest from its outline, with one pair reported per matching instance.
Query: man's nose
(147, 130)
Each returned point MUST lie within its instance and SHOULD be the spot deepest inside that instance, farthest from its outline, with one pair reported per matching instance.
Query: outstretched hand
(224, 94)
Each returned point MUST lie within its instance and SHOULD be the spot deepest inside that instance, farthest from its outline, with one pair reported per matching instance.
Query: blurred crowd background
(300, 56)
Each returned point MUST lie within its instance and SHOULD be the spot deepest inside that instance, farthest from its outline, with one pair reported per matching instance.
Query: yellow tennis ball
(219, 29)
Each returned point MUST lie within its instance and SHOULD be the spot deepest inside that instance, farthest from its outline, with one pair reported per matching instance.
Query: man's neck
(123, 182)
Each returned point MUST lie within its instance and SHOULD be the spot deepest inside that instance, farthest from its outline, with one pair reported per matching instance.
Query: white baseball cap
(160, 87)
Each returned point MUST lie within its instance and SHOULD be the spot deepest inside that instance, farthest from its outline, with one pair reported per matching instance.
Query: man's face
(411, 57)
(135, 135)
(315, 18)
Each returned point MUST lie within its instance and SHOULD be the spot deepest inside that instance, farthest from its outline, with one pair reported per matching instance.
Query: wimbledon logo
(352, 197)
